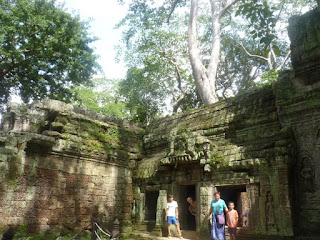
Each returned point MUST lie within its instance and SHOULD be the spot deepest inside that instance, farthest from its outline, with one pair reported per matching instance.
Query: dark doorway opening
(151, 209)
(236, 194)
(187, 220)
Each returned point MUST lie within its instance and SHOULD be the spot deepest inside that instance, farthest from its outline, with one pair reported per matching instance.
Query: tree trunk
(205, 85)
(182, 96)
(205, 78)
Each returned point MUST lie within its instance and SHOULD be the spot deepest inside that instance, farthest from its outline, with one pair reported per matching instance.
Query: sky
(104, 15)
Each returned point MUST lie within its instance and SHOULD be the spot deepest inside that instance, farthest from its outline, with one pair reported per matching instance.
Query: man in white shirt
(172, 215)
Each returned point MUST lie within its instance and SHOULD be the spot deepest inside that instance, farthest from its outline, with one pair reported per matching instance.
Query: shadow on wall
(266, 152)
(244, 143)
(65, 183)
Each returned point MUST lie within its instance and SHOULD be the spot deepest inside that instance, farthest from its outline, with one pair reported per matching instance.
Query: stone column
(255, 213)
(198, 207)
(160, 217)
(206, 190)
(284, 206)
(140, 201)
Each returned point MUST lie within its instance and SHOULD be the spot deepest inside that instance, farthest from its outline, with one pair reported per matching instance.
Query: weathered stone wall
(247, 146)
(298, 104)
(62, 166)
(267, 142)
(304, 33)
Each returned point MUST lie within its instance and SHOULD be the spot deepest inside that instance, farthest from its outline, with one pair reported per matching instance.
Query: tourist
(232, 220)
(192, 206)
(9, 234)
(218, 220)
(172, 215)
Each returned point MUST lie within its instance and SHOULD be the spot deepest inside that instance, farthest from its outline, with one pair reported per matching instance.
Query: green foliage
(268, 77)
(149, 43)
(22, 229)
(264, 16)
(217, 161)
(22, 234)
(236, 69)
(241, 71)
(157, 58)
(43, 51)
(141, 95)
(100, 136)
(102, 98)
(261, 16)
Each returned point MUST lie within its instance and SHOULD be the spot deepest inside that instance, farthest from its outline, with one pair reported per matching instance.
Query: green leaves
(149, 43)
(262, 19)
(43, 50)
(143, 96)
(276, 50)
(154, 52)
(268, 77)
(102, 98)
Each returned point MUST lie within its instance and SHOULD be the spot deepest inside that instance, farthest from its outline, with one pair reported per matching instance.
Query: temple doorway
(236, 194)
(187, 220)
(150, 209)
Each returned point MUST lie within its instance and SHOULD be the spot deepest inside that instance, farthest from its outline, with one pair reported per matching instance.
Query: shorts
(172, 220)
(232, 230)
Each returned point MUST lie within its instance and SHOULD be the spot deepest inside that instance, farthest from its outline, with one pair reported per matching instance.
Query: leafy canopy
(44, 51)
(254, 48)
(156, 55)
(102, 98)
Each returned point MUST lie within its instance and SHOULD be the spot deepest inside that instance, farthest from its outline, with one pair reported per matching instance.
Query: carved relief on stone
(307, 175)
(7, 122)
(253, 204)
(182, 147)
(307, 165)
(270, 218)
(204, 154)
(186, 147)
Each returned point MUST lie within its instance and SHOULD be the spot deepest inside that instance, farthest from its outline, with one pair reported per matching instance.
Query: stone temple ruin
(62, 166)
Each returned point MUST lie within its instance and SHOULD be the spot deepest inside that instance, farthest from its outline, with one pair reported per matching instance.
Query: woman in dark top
(192, 206)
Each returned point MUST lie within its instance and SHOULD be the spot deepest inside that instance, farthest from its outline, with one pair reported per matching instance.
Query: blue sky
(104, 15)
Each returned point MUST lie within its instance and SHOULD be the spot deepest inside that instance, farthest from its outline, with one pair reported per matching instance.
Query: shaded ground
(187, 235)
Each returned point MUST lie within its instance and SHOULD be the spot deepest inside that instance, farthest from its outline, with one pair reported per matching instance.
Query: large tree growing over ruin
(205, 76)
(219, 44)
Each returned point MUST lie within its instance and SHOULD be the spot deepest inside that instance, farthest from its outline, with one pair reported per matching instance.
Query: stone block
(57, 126)
(54, 134)
(15, 220)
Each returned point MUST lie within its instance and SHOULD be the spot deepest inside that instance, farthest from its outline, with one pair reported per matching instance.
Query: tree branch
(183, 94)
(284, 61)
(227, 85)
(282, 5)
(273, 58)
(226, 8)
(252, 55)
(194, 56)
(172, 10)
(253, 74)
